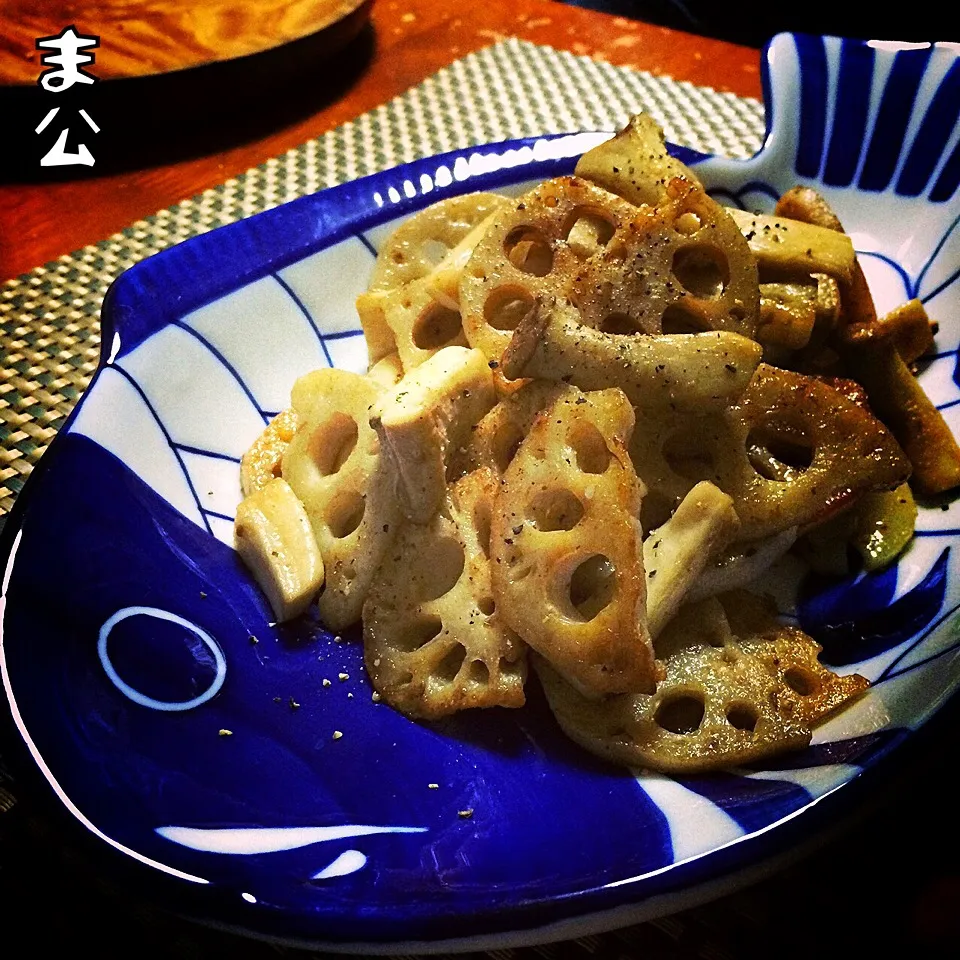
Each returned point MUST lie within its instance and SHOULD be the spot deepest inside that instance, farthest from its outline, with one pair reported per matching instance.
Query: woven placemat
(49, 328)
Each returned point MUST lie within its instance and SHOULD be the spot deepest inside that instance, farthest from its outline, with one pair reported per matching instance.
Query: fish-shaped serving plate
(242, 772)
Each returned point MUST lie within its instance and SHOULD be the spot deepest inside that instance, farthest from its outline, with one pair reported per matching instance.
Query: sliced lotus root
(261, 463)
(634, 164)
(727, 698)
(535, 248)
(789, 655)
(494, 441)
(425, 416)
(420, 243)
(566, 545)
(672, 451)
(791, 453)
(410, 321)
(334, 466)
(422, 316)
(681, 267)
(663, 372)
(801, 452)
(434, 641)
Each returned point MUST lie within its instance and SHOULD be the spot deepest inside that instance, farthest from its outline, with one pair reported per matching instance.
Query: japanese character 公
(57, 155)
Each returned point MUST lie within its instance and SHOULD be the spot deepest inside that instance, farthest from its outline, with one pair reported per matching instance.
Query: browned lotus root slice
(802, 451)
(682, 266)
(566, 545)
(261, 463)
(534, 248)
(790, 655)
(419, 244)
(727, 697)
(791, 452)
(434, 641)
(334, 466)
(656, 372)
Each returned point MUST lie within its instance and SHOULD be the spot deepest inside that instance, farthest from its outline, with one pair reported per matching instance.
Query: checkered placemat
(49, 328)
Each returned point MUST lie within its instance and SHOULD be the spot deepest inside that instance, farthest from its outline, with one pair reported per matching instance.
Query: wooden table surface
(405, 41)
(143, 37)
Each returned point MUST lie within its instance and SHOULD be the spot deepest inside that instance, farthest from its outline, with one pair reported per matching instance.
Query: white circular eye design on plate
(135, 695)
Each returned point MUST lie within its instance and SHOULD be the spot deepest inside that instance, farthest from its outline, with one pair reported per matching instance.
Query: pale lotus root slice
(721, 703)
(657, 372)
(792, 452)
(417, 319)
(434, 641)
(334, 466)
(420, 243)
(566, 545)
(261, 463)
(410, 321)
(683, 267)
(536, 248)
(494, 441)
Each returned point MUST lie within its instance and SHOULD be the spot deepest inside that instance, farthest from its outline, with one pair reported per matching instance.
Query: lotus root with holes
(420, 243)
(334, 466)
(261, 463)
(682, 267)
(434, 641)
(566, 545)
(726, 699)
(536, 247)
(422, 317)
(410, 321)
(497, 437)
(791, 453)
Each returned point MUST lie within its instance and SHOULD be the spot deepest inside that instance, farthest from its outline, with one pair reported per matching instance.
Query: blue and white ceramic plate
(192, 741)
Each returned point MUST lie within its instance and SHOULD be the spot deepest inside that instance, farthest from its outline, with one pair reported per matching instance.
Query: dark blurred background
(753, 22)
